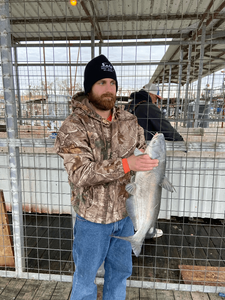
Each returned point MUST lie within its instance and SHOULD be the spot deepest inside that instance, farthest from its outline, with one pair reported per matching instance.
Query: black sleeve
(158, 123)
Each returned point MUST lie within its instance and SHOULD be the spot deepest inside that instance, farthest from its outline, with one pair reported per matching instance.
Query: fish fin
(150, 233)
(167, 185)
(131, 211)
(137, 152)
(136, 247)
(154, 233)
(131, 188)
(152, 230)
(158, 233)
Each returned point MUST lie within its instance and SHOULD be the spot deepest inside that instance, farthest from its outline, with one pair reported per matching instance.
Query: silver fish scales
(143, 205)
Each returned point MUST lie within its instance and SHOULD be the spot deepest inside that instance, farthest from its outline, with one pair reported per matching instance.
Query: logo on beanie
(107, 67)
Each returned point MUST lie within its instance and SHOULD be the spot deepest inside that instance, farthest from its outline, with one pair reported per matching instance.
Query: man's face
(153, 97)
(103, 94)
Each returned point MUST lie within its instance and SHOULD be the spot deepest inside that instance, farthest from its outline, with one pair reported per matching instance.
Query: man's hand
(142, 163)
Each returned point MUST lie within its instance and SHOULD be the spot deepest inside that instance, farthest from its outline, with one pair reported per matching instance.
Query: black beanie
(98, 68)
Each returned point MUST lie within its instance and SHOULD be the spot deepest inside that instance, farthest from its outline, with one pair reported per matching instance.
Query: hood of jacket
(79, 96)
(87, 107)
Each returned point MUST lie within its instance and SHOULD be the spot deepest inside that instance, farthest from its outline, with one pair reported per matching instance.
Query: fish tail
(135, 244)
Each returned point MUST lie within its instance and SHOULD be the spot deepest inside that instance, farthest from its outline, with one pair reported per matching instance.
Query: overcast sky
(129, 77)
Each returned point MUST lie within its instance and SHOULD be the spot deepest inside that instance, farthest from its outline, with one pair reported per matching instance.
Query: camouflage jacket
(92, 149)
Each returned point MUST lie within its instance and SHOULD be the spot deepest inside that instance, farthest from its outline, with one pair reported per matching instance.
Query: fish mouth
(156, 135)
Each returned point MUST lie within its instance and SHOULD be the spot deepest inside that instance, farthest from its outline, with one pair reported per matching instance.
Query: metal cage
(177, 45)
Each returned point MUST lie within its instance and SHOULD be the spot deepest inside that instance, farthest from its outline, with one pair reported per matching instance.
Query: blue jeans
(92, 245)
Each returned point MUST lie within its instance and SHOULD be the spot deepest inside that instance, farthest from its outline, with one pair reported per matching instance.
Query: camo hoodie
(92, 149)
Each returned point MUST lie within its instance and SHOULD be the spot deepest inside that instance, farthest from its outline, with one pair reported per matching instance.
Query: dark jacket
(150, 117)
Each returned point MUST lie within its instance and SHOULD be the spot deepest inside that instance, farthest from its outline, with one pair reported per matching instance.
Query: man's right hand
(142, 163)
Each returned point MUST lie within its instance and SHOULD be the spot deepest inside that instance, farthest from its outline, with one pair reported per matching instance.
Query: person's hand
(142, 163)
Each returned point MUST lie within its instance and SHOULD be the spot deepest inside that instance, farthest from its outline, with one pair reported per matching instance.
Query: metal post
(211, 94)
(187, 84)
(223, 105)
(168, 99)
(12, 133)
(179, 84)
(46, 84)
(17, 83)
(200, 75)
(182, 100)
(157, 102)
(162, 89)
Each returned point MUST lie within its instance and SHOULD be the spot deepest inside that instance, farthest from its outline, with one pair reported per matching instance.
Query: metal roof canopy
(210, 53)
(143, 21)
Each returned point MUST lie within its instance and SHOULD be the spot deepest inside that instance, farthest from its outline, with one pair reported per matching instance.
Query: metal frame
(147, 42)
(200, 75)
(11, 121)
(13, 143)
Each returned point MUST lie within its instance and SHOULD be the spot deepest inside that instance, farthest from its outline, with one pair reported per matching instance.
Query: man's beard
(100, 103)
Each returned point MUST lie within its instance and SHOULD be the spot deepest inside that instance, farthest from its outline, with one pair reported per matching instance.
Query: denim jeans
(92, 245)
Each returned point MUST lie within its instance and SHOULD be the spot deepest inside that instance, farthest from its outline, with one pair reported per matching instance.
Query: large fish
(146, 188)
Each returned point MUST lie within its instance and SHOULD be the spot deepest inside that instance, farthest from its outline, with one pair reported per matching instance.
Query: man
(97, 142)
(149, 115)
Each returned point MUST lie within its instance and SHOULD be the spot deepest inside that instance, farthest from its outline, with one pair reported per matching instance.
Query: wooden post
(74, 87)
(71, 88)
(6, 248)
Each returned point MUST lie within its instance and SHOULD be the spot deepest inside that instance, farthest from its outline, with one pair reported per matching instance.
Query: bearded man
(97, 142)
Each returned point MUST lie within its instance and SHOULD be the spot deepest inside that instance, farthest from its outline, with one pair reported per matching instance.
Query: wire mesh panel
(179, 47)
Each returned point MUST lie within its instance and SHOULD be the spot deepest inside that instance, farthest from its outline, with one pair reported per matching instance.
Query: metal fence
(41, 71)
